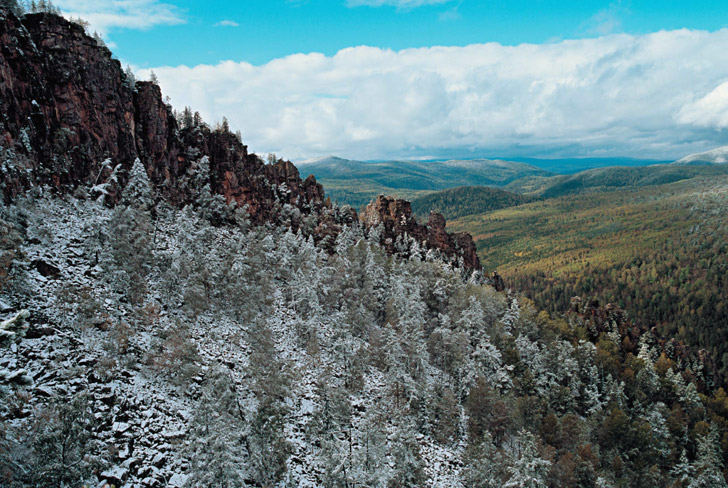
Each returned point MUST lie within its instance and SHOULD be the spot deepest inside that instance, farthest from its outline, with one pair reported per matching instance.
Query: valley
(660, 252)
(650, 239)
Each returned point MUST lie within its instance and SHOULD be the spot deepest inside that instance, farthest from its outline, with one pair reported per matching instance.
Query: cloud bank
(129, 14)
(659, 95)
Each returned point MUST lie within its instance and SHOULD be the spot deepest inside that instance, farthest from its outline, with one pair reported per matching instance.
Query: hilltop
(714, 156)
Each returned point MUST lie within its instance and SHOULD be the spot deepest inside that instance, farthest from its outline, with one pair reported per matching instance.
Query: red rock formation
(395, 218)
(64, 104)
(67, 107)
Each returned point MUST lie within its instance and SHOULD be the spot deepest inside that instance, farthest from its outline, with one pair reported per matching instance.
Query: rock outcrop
(64, 104)
(69, 110)
(71, 117)
(396, 220)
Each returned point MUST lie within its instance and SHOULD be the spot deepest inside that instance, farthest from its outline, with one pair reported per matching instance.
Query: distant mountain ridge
(718, 155)
(423, 175)
(611, 179)
(357, 182)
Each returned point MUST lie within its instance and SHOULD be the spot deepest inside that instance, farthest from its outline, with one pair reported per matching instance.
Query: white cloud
(402, 4)
(130, 14)
(227, 23)
(451, 14)
(607, 20)
(708, 111)
(653, 96)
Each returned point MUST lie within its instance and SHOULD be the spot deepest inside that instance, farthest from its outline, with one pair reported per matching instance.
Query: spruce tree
(217, 449)
(528, 470)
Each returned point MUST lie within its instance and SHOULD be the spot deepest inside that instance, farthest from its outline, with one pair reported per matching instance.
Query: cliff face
(70, 115)
(68, 107)
(64, 104)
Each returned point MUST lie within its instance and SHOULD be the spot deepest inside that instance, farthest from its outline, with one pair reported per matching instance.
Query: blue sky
(419, 78)
(206, 32)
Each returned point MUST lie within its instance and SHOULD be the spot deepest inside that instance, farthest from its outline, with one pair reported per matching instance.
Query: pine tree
(483, 465)
(708, 463)
(528, 470)
(269, 448)
(217, 448)
(129, 78)
(188, 121)
(370, 467)
(130, 251)
(14, 6)
(138, 190)
(408, 471)
(65, 450)
(683, 471)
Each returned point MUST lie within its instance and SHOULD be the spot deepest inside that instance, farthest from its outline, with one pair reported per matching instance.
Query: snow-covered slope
(718, 155)
(177, 354)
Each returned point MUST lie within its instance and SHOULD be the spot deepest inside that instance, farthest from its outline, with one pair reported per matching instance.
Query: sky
(377, 79)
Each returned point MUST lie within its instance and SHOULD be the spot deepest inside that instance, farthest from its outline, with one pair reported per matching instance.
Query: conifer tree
(483, 464)
(65, 450)
(13, 5)
(528, 470)
(408, 471)
(269, 448)
(130, 251)
(709, 463)
(217, 445)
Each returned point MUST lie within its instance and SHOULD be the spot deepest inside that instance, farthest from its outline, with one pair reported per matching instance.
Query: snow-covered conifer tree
(528, 469)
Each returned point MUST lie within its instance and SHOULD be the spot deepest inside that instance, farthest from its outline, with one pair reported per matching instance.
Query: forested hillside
(219, 356)
(610, 179)
(659, 252)
(466, 200)
(356, 183)
(175, 312)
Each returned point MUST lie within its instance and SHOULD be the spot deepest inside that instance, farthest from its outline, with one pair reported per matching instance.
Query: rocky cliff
(395, 217)
(71, 117)
(70, 114)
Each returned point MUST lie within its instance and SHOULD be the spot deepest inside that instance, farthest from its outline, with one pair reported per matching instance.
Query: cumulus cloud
(708, 111)
(130, 14)
(658, 95)
(227, 23)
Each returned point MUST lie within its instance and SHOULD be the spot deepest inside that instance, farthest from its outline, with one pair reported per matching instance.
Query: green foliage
(65, 452)
(356, 183)
(466, 200)
(14, 6)
(10, 240)
(130, 251)
(362, 368)
(217, 449)
(660, 253)
(611, 179)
